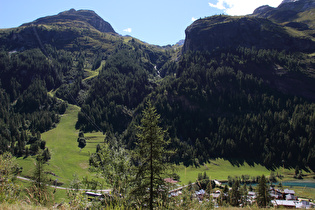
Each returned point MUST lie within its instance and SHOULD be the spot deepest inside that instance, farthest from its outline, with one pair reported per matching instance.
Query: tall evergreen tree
(235, 195)
(150, 156)
(245, 195)
(39, 193)
(263, 197)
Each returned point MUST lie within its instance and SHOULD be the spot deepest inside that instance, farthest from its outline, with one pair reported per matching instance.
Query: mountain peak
(68, 11)
(86, 16)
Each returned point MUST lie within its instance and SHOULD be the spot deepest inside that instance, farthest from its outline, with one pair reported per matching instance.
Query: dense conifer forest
(26, 108)
(211, 107)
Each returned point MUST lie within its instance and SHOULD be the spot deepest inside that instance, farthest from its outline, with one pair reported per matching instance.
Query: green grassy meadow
(219, 169)
(66, 158)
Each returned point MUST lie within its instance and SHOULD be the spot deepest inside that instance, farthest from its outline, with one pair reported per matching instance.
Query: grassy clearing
(219, 169)
(94, 73)
(66, 158)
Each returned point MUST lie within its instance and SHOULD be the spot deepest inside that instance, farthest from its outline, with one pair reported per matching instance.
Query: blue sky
(156, 22)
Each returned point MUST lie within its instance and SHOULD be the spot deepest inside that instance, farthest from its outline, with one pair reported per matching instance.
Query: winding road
(64, 188)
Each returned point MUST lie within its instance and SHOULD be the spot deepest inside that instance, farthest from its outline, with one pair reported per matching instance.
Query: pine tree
(296, 172)
(39, 193)
(150, 156)
(245, 195)
(234, 194)
(263, 197)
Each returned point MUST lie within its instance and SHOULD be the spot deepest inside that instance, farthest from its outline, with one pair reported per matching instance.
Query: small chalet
(283, 203)
(216, 194)
(251, 195)
(288, 192)
(289, 195)
(275, 194)
(304, 205)
(200, 194)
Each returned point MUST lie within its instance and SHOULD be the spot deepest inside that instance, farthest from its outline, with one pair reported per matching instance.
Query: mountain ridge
(287, 27)
(87, 16)
(286, 11)
(231, 32)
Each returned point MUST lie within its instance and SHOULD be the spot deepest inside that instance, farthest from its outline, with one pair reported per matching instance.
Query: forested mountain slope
(216, 108)
(242, 87)
(60, 54)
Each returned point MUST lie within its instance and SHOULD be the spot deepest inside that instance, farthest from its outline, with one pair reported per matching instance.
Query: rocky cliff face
(83, 16)
(232, 32)
(267, 28)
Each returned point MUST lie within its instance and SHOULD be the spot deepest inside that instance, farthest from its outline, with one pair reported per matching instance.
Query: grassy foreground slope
(66, 158)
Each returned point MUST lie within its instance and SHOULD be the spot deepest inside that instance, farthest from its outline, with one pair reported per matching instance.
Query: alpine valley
(239, 87)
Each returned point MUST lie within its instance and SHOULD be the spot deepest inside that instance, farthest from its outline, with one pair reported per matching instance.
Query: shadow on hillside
(238, 162)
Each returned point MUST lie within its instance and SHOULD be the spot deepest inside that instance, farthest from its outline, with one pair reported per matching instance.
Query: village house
(289, 194)
(200, 194)
(283, 204)
(304, 204)
(275, 193)
(287, 199)
(216, 194)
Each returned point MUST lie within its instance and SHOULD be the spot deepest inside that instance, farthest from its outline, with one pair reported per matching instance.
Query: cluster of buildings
(279, 198)
(287, 199)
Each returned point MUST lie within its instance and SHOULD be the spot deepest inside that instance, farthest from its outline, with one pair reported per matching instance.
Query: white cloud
(218, 5)
(242, 7)
(128, 30)
(193, 19)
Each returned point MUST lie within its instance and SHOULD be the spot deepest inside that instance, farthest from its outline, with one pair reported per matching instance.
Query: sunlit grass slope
(66, 158)
(221, 169)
